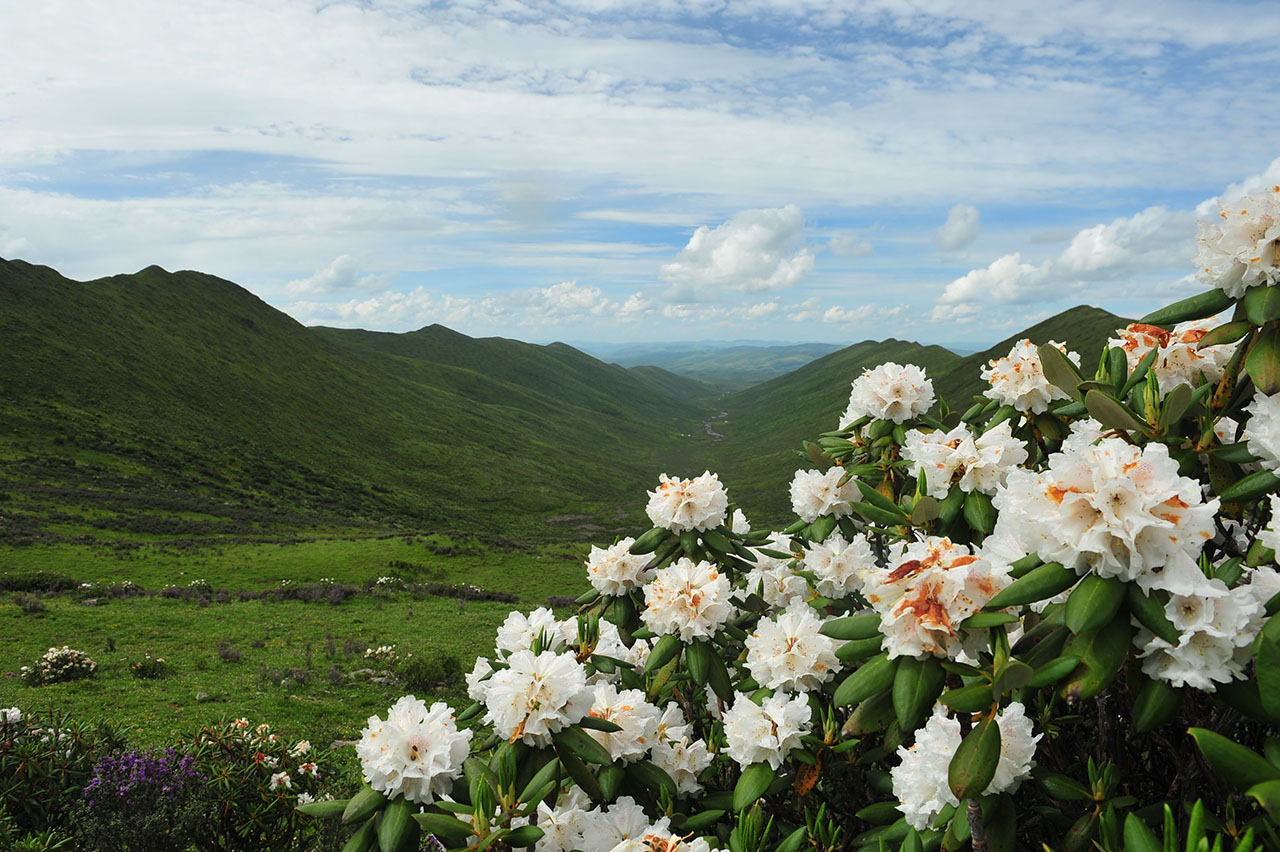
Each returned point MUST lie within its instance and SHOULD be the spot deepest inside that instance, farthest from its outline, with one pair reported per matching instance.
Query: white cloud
(759, 310)
(755, 251)
(807, 311)
(849, 245)
(343, 273)
(635, 308)
(960, 229)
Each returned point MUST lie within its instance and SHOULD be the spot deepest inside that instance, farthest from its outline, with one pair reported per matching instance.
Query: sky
(660, 170)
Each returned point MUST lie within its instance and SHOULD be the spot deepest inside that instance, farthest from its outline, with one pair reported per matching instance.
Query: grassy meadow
(294, 664)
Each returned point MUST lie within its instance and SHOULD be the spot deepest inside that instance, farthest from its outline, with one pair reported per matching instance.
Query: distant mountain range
(166, 405)
(724, 368)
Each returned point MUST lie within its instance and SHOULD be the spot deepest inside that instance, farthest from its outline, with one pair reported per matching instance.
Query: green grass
(273, 638)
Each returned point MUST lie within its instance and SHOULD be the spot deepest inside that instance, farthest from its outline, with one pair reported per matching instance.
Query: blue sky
(630, 171)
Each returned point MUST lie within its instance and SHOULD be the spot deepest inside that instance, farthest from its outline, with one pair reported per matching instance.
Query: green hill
(673, 385)
(765, 424)
(181, 404)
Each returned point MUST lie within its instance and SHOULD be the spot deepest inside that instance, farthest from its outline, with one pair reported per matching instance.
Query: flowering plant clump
(57, 665)
(1040, 621)
(142, 800)
(149, 667)
(382, 654)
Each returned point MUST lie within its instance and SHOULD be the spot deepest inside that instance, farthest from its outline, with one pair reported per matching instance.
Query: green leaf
(871, 677)
(1036, 585)
(879, 813)
(974, 763)
(444, 826)
(1064, 788)
(880, 516)
(1263, 361)
(979, 513)
(753, 782)
(581, 744)
(650, 541)
(1012, 675)
(363, 805)
(1093, 602)
(925, 510)
(857, 650)
(821, 528)
(1114, 414)
(1262, 304)
(1240, 766)
(1052, 672)
(1117, 368)
(1059, 370)
(916, 687)
(1157, 702)
(549, 772)
(950, 506)
(398, 831)
(1250, 488)
(579, 772)
(969, 699)
(705, 819)
(664, 651)
(595, 724)
(1139, 372)
(1268, 665)
(1204, 305)
(697, 658)
(525, 835)
(793, 841)
(718, 678)
(323, 810)
(473, 709)
(1175, 405)
(1102, 655)
(1226, 333)
(611, 778)
(985, 620)
(852, 627)
(717, 542)
(873, 714)
(653, 777)
(1150, 614)
(1137, 837)
(1268, 795)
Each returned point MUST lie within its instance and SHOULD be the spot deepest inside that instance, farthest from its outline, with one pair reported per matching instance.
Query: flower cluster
(143, 775)
(57, 665)
(416, 752)
(1018, 378)
(889, 392)
(688, 504)
(1241, 250)
(1179, 359)
(971, 462)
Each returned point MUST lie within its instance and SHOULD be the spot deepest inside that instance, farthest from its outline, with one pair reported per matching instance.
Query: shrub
(429, 673)
(29, 605)
(45, 762)
(228, 653)
(58, 665)
(142, 800)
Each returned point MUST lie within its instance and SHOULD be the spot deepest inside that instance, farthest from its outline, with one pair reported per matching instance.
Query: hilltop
(181, 404)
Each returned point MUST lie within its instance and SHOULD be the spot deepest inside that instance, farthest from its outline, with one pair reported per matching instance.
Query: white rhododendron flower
(536, 696)
(477, 679)
(1018, 379)
(1240, 251)
(788, 653)
(677, 504)
(616, 571)
(684, 759)
(1262, 430)
(628, 710)
(688, 599)
(926, 590)
(281, 779)
(1264, 584)
(417, 752)
(1111, 508)
(816, 492)
(774, 579)
(1178, 361)
(839, 565)
(890, 391)
(519, 631)
(766, 732)
(603, 829)
(562, 825)
(10, 716)
(1218, 626)
(739, 525)
(920, 780)
(974, 463)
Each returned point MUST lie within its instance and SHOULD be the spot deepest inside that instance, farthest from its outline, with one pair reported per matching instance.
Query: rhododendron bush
(1042, 621)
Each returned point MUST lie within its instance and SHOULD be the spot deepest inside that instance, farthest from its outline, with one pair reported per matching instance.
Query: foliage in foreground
(1042, 620)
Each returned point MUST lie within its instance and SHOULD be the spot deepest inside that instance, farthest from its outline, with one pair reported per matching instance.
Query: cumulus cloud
(840, 315)
(343, 273)
(960, 229)
(1155, 238)
(755, 251)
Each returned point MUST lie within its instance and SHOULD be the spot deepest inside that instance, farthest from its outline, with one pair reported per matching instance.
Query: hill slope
(727, 368)
(180, 392)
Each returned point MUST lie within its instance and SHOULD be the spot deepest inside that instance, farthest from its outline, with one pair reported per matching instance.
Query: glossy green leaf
(916, 687)
(979, 513)
(1114, 414)
(969, 699)
(873, 714)
(752, 784)
(649, 542)
(1268, 666)
(1175, 405)
(985, 620)
(1150, 614)
(974, 763)
(852, 627)
(611, 778)
(664, 651)
(595, 724)
(871, 677)
(1157, 702)
(1102, 654)
(1268, 795)
(1263, 361)
(398, 831)
(697, 658)
(1139, 838)
(793, 841)
(1014, 674)
(323, 810)
(1226, 333)
(525, 835)
(653, 777)
(1262, 304)
(363, 805)
(1036, 585)
(1059, 371)
(444, 826)
(1053, 671)
(1205, 304)
(581, 744)
(1251, 487)
(1093, 602)
(1242, 767)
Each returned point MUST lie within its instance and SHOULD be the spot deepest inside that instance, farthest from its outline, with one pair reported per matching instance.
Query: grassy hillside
(729, 368)
(765, 424)
(673, 385)
(135, 400)
(1084, 329)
